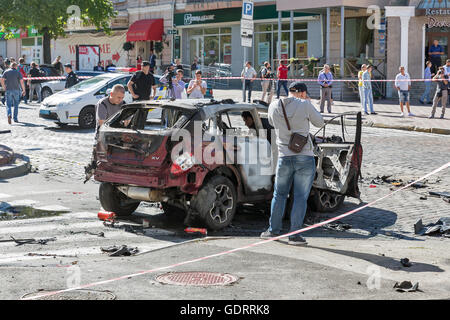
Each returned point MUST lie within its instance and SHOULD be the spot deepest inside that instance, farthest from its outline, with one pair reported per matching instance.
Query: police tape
(267, 79)
(227, 252)
(54, 78)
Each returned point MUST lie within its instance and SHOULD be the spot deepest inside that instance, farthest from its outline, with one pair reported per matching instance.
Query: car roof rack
(213, 102)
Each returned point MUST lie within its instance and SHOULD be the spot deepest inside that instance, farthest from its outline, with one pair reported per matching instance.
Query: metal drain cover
(197, 278)
(72, 295)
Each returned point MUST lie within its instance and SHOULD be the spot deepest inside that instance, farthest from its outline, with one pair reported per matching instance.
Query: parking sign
(247, 9)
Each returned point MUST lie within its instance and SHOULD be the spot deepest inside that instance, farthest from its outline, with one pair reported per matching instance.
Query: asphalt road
(330, 268)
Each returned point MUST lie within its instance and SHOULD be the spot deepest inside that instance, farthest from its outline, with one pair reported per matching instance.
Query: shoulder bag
(297, 141)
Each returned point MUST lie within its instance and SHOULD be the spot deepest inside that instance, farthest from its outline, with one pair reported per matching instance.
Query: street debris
(443, 195)
(423, 198)
(441, 227)
(407, 286)
(32, 254)
(20, 242)
(338, 226)
(196, 231)
(98, 234)
(106, 215)
(117, 251)
(405, 262)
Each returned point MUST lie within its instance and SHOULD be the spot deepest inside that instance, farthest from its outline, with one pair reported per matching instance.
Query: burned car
(198, 158)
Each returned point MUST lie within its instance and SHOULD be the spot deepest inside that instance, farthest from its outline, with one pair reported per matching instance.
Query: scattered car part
(406, 286)
(106, 215)
(405, 262)
(441, 227)
(98, 234)
(117, 251)
(201, 231)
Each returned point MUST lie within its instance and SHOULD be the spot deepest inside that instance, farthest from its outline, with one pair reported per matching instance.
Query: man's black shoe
(297, 241)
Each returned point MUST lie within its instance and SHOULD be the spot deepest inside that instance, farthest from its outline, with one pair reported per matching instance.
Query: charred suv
(197, 158)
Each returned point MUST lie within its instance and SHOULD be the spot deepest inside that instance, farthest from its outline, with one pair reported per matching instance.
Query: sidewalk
(388, 113)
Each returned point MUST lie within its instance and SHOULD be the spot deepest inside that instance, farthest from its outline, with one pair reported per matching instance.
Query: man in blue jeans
(11, 82)
(293, 169)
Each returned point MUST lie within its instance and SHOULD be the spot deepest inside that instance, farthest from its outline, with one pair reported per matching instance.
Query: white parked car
(76, 105)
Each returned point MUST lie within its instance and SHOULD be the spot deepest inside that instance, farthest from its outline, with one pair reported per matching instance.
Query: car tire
(216, 202)
(86, 119)
(45, 93)
(115, 201)
(327, 201)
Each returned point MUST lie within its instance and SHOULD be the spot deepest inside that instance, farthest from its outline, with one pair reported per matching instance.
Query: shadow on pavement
(69, 128)
(383, 261)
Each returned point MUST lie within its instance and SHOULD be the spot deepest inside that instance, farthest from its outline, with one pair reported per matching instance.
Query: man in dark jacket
(71, 78)
(35, 85)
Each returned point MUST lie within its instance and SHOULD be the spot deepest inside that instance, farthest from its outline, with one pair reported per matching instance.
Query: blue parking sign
(247, 9)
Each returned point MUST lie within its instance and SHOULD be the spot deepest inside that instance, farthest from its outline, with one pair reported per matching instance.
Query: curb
(6, 155)
(397, 127)
(19, 167)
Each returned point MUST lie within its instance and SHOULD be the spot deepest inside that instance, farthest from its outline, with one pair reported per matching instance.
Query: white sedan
(76, 105)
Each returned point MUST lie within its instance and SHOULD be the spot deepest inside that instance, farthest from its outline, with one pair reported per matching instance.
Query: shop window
(212, 31)
(28, 42)
(263, 48)
(195, 32)
(263, 28)
(357, 37)
(39, 41)
(225, 49)
(225, 30)
(211, 45)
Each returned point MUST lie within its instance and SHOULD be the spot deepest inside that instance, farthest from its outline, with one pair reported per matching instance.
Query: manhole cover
(72, 295)
(197, 278)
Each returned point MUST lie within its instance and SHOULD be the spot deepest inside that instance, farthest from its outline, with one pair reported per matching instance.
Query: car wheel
(115, 201)
(216, 202)
(46, 92)
(327, 201)
(86, 119)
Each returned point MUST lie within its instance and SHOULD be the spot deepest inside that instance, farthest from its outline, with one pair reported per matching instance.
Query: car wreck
(199, 159)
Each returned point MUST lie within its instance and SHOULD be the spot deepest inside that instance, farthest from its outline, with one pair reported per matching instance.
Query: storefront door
(196, 49)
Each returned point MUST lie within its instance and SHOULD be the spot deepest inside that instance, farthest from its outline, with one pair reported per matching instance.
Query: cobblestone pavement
(61, 153)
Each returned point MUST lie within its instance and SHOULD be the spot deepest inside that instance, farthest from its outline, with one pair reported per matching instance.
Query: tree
(50, 17)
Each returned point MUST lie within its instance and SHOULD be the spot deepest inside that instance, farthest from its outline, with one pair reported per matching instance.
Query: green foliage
(50, 16)
(158, 47)
(127, 46)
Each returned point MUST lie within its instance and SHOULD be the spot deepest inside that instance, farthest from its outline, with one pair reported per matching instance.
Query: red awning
(144, 30)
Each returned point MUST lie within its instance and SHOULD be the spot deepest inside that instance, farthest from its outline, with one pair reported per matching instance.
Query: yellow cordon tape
(240, 248)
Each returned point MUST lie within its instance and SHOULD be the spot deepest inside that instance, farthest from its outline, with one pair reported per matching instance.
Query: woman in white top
(197, 87)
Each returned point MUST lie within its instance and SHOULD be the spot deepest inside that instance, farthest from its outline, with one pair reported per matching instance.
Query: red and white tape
(240, 248)
(262, 79)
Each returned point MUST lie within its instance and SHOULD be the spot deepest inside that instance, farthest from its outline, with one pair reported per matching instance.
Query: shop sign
(437, 12)
(438, 23)
(189, 18)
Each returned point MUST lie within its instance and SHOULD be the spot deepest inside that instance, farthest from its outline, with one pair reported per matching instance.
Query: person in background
(12, 82)
(368, 94)
(2, 63)
(447, 67)
(177, 83)
(109, 65)
(325, 80)
(71, 78)
(266, 73)
(141, 83)
(35, 85)
(297, 169)
(21, 68)
(361, 85)
(197, 87)
(427, 76)
(152, 60)
(178, 64)
(435, 53)
(441, 94)
(139, 63)
(282, 75)
(250, 123)
(403, 85)
(194, 67)
(58, 65)
(99, 67)
(249, 75)
(7, 66)
(108, 106)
